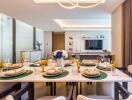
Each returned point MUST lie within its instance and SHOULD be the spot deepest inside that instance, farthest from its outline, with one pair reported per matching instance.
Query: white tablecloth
(118, 76)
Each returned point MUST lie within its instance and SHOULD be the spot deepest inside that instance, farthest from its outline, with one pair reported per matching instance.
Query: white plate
(48, 75)
(12, 74)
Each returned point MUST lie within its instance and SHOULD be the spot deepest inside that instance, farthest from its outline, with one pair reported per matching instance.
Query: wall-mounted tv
(93, 44)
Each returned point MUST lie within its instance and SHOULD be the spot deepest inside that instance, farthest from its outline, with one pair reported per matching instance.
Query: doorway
(58, 41)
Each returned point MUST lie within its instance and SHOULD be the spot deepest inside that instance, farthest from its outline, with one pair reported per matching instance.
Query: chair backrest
(59, 98)
(9, 97)
(129, 68)
(129, 98)
(7, 91)
(122, 91)
(17, 94)
(81, 97)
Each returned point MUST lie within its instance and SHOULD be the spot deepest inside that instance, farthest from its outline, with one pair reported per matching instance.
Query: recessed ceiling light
(83, 24)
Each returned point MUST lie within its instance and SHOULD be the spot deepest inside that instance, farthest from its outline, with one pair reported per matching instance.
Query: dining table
(72, 76)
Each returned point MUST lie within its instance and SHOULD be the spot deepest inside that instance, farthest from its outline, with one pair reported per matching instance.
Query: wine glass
(7, 64)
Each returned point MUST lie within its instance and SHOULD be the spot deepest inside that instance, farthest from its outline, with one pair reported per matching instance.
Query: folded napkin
(21, 71)
(59, 98)
(91, 71)
(12, 72)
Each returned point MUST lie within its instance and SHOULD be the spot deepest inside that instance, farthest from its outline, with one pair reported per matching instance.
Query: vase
(60, 63)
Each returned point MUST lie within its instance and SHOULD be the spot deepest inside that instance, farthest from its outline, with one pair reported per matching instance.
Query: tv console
(90, 55)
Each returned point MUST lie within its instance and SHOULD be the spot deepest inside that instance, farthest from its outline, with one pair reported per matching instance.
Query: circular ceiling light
(70, 4)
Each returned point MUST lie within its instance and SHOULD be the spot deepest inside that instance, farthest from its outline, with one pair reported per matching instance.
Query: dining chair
(69, 97)
(17, 94)
(121, 90)
(9, 90)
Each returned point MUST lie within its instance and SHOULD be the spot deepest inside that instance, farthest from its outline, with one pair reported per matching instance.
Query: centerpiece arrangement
(60, 55)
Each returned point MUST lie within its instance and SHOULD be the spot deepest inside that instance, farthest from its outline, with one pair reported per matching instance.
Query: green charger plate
(4, 69)
(88, 65)
(33, 65)
(67, 65)
(29, 72)
(103, 75)
(65, 73)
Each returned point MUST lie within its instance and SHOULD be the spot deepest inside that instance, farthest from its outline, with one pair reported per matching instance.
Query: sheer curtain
(127, 28)
(6, 37)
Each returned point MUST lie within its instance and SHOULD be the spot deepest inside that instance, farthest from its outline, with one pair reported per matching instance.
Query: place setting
(94, 73)
(9, 66)
(68, 63)
(39, 63)
(55, 72)
(14, 74)
(104, 66)
(88, 63)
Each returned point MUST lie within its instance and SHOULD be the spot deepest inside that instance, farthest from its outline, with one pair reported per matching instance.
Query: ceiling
(43, 15)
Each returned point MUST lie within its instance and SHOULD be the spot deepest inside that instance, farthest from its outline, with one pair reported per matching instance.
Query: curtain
(127, 32)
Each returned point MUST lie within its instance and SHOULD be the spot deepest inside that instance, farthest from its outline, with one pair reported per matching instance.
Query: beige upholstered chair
(69, 97)
(81, 97)
(10, 97)
(27, 87)
(19, 92)
(123, 92)
(51, 98)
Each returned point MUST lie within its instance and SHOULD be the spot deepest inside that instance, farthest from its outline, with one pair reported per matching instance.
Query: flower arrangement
(58, 54)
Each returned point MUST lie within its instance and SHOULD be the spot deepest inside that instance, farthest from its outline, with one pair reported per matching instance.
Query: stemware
(7, 64)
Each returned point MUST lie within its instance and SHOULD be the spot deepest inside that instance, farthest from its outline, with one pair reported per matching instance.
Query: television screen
(93, 44)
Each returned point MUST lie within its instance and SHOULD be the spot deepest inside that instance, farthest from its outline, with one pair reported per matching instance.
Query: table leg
(77, 87)
(80, 87)
(51, 88)
(54, 88)
(116, 92)
(31, 91)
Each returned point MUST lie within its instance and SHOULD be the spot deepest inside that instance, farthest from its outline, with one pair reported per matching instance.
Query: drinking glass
(78, 66)
(113, 67)
(1, 65)
(7, 64)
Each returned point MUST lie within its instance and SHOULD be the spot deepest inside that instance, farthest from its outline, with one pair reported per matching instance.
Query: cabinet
(32, 56)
